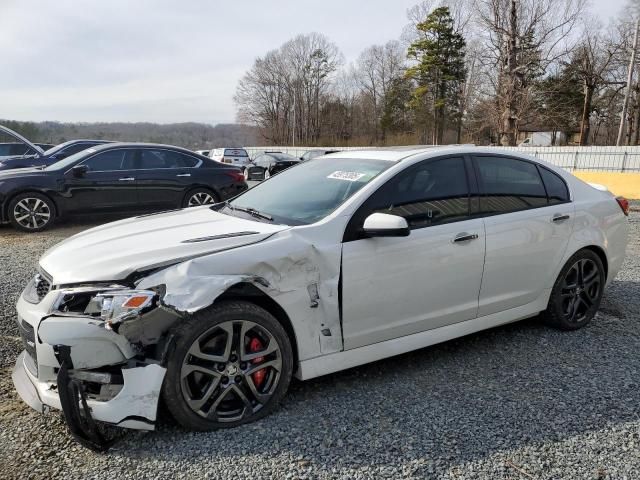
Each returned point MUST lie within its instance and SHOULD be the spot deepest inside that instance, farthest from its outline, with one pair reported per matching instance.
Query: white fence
(612, 159)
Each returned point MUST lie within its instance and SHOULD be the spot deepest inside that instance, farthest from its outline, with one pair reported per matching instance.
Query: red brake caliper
(255, 345)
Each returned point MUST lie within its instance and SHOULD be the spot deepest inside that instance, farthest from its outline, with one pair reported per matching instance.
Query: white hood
(115, 250)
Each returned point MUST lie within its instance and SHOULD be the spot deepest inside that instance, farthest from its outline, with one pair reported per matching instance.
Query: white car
(238, 157)
(349, 259)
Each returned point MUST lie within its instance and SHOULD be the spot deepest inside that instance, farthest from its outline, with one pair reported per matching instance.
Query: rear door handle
(560, 218)
(464, 237)
(183, 175)
(126, 179)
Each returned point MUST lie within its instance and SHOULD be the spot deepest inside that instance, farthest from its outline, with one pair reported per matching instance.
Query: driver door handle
(560, 218)
(126, 179)
(183, 175)
(464, 237)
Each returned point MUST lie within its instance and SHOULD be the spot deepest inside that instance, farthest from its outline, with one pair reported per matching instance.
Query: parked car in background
(311, 154)
(51, 155)
(269, 163)
(17, 145)
(114, 178)
(14, 149)
(327, 266)
(203, 152)
(238, 157)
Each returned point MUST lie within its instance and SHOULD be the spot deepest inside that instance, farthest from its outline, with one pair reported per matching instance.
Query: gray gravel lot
(517, 402)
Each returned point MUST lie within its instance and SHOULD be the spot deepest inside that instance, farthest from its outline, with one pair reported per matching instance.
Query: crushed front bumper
(100, 374)
(135, 406)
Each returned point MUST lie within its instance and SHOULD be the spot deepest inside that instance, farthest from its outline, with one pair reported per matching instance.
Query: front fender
(304, 283)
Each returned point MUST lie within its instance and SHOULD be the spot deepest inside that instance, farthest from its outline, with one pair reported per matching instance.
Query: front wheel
(577, 293)
(232, 364)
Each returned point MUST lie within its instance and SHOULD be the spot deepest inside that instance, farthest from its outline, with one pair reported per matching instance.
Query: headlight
(112, 304)
(123, 304)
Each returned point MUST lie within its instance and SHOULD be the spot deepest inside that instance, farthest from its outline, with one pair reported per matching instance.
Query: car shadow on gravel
(442, 406)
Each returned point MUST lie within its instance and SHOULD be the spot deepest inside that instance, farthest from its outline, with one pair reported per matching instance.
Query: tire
(31, 212)
(203, 391)
(577, 292)
(198, 197)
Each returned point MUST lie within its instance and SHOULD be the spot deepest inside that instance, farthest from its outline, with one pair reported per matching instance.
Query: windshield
(70, 160)
(308, 192)
(57, 148)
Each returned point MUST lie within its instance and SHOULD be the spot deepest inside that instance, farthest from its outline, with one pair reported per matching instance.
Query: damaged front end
(99, 351)
(95, 352)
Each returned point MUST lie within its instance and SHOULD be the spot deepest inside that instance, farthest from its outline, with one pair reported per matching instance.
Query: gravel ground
(517, 402)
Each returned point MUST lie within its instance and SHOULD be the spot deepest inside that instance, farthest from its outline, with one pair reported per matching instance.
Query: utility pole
(632, 64)
(293, 130)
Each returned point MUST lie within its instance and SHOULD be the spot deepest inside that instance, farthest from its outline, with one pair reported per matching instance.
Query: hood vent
(219, 237)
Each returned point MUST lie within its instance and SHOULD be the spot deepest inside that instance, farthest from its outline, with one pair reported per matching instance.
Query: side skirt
(334, 362)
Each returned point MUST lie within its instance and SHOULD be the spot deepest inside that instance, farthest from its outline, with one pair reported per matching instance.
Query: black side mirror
(80, 170)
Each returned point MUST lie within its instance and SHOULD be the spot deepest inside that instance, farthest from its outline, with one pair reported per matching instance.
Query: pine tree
(438, 73)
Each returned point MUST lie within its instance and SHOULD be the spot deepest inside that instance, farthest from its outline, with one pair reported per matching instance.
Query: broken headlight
(123, 304)
(112, 304)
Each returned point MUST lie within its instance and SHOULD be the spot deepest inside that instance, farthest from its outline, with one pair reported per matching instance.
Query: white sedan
(330, 264)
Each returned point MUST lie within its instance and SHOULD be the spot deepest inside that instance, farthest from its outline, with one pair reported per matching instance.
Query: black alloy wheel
(577, 293)
(229, 371)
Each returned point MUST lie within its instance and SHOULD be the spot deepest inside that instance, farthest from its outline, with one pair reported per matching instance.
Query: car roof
(106, 146)
(280, 156)
(396, 154)
(84, 140)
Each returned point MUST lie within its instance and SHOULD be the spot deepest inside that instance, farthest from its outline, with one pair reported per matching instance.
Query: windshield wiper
(251, 211)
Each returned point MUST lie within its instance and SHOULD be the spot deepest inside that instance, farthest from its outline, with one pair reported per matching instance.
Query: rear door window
(151, 159)
(509, 185)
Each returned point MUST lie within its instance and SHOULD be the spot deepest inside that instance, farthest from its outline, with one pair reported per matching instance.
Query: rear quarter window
(557, 190)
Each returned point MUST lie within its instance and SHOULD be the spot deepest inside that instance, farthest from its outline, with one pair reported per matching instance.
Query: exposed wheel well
(250, 293)
(5, 213)
(603, 257)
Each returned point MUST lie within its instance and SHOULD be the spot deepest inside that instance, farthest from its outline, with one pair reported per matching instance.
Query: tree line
(191, 135)
(481, 71)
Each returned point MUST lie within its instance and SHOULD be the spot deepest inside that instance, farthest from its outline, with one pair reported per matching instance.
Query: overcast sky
(166, 61)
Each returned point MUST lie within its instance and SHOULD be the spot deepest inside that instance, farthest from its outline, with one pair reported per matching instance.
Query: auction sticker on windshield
(349, 176)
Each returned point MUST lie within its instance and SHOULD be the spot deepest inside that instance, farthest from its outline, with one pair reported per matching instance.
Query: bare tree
(377, 68)
(594, 62)
(523, 38)
(282, 93)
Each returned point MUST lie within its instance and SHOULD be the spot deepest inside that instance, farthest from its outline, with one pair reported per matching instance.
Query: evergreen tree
(438, 73)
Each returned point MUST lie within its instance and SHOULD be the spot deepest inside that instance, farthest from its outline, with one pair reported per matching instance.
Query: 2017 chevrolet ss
(330, 264)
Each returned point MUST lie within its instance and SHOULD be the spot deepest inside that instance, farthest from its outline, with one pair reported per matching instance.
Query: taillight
(236, 175)
(624, 205)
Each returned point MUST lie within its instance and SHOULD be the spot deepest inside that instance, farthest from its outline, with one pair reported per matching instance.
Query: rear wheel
(31, 212)
(577, 293)
(232, 364)
(198, 197)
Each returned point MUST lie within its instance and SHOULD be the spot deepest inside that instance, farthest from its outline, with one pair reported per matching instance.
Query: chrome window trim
(198, 165)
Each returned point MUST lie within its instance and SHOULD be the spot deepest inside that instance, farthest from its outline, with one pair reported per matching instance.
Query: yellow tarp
(625, 184)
